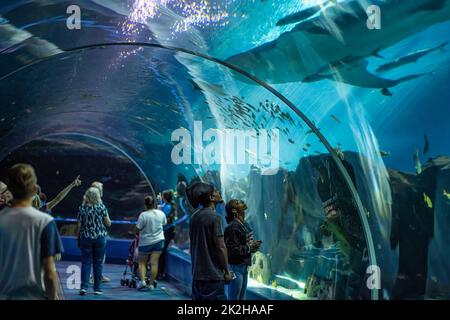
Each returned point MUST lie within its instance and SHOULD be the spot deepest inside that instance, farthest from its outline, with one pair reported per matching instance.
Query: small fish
(291, 141)
(446, 194)
(306, 150)
(426, 146)
(308, 145)
(335, 118)
(88, 96)
(386, 92)
(428, 201)
(384, 153)
(417, 163)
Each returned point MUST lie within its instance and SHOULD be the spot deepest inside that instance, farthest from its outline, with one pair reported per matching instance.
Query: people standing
(99, 186)
(5, 195)
(93, 219)
(208, 250)
(29, 241)
(240, 246)
(151, 241)
(168, 207)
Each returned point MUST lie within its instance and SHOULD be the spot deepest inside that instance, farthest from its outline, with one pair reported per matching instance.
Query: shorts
(153, 248)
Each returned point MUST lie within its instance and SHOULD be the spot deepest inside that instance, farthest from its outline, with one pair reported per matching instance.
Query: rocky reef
(286, 212)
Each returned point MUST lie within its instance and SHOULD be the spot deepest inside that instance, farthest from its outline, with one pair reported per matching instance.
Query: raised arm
(63, 193)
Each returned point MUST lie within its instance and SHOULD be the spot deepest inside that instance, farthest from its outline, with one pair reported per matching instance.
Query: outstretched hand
(77, 181)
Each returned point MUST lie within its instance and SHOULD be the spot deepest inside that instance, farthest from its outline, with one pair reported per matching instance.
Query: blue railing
(131, 222)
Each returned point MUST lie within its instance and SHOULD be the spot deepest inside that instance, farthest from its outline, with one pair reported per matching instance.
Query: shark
(339, 39)
(410, 58)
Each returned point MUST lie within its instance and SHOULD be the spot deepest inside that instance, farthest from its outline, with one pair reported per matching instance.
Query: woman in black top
(240, 246)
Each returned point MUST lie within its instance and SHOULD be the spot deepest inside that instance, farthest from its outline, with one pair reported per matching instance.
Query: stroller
(130, 276)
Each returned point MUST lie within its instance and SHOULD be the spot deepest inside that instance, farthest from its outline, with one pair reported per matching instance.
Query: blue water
(134, 98)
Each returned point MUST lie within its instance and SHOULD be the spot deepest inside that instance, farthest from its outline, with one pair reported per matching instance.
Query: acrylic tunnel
(338, 146)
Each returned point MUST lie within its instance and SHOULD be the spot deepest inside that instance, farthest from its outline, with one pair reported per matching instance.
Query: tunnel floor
(113, 290)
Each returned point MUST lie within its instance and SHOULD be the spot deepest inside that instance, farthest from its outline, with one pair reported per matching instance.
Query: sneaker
(106, 279)
(98, 292)
(82, 292)
(142, 286)
(151, 287)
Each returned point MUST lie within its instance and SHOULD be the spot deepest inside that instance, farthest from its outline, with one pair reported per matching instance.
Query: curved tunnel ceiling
(89, 91)
(108, 82)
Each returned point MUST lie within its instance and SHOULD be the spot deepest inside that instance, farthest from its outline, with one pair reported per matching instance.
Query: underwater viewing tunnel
(334, 134)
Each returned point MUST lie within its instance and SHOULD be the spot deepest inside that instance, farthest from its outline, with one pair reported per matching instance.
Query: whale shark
(340, 32)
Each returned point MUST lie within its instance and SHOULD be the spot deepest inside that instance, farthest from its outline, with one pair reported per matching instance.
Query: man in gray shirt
(208, 250)
(29, 242)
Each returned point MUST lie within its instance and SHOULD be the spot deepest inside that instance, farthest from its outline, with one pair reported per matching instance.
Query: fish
(335, 118)
(410, 58)
(334, 35)
(384, 153)
(291, 141)
(88, 96)
(386, 92)
(427, 201)
(417, 163)
(446, 194)
(426, 146)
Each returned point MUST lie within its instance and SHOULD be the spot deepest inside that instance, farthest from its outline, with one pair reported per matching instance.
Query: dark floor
(113, 290)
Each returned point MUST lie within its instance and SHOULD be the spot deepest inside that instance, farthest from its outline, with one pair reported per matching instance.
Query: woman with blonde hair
(93, 219)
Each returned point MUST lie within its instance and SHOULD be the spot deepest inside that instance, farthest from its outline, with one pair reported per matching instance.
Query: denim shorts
(153, 248)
